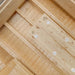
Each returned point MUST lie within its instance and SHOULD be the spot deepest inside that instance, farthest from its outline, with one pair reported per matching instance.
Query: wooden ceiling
(38, 39)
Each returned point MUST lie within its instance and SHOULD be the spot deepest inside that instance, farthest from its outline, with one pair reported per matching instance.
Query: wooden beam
(7, 9)
(61, 18)
(68, 5)
(15, 67)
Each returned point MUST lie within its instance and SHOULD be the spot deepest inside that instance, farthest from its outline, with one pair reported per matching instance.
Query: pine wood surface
(38, 39)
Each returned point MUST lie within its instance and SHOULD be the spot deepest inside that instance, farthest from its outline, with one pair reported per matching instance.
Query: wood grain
(38, 39)
(58, 15)
(68, 5)
(7, 9)
(15, 67)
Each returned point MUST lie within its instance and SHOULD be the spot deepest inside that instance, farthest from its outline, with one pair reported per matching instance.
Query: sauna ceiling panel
(37, 37)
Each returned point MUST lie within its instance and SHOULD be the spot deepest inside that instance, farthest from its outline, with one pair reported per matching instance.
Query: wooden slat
(30, 57)
(35, 36)
(1, 1)
(58, 15)
(8, 9)
(52, 50)
(68, 5)
(37, 45)
(15, 67)
(29, 7)
(59, 33)
(5, 58)
(40, 35)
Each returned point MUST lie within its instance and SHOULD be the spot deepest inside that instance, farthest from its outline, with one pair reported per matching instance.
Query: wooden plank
(29, 7)
(57, 33)
(5, 58)
(50, 28)
(39, 42)
(31, 22)
(33, 59)
(1, 2)
(32, 40)
(41, 61)
(5, 11)
(27, 33)
(15, 67)
(8, 68)
(58, 15)
(52, 49)
(68, 5)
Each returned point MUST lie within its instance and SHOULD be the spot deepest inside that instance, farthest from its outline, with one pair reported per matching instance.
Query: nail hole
(37, 27)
